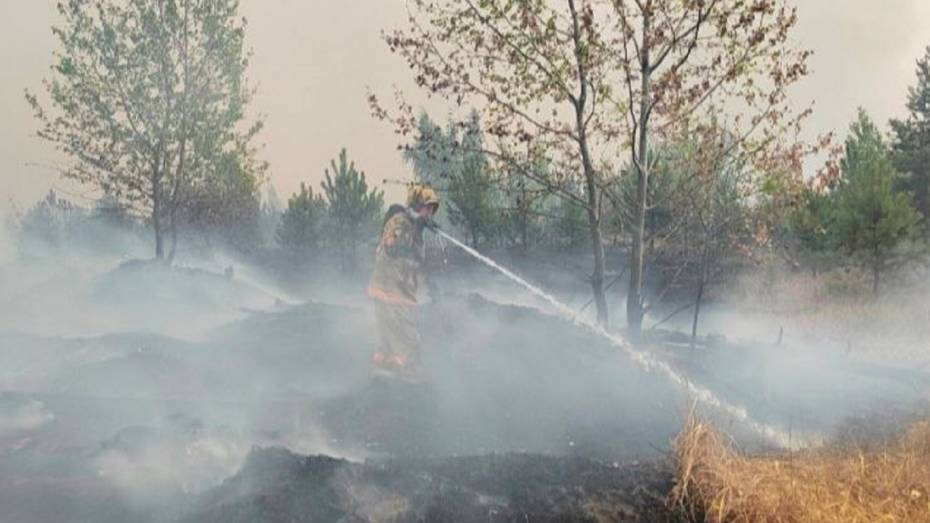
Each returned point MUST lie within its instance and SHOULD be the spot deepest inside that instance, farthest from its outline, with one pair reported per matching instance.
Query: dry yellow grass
(717, 484)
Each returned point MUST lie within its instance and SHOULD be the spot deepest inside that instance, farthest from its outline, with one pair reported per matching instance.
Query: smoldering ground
(131, 389)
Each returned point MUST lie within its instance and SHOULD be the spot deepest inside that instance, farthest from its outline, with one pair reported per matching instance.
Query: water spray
(648, 362)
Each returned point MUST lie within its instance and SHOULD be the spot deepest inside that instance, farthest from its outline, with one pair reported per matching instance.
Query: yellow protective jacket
(398, 259)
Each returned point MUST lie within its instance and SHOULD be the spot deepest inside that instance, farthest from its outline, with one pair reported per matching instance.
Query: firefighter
(398, 260)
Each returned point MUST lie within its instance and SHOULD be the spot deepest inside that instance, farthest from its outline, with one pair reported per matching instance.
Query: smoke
(150, 384)
(153, 383)
(18, 417)
(644, 360)
(6, 243)
(104, 284)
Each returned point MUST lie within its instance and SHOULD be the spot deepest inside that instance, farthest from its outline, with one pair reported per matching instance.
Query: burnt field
(269, 414)
(276, 485)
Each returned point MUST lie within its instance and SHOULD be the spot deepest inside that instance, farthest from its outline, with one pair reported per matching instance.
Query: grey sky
(314, 59)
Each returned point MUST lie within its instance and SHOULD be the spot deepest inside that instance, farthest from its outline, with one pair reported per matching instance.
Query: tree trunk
(634, 300)
(594, 224)
(699, 298)
(173, 225)
(594, 211)
(876, 263)
(597, 278)
(176, 198)
(922, 195)
(159, 238)
(156, 220)
(353, 256)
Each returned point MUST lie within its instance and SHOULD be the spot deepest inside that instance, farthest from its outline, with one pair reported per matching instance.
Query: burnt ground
(136, 426)
(508, 379)
(276, 485)
(525, 417)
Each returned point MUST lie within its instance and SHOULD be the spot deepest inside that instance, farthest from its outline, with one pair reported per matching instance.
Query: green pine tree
(301, 227)
(454, 162)
(911, 144)
(470, 184)
(354, 209)
(870, 220)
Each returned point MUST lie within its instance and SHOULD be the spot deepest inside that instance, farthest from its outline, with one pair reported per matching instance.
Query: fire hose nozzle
(430, 224)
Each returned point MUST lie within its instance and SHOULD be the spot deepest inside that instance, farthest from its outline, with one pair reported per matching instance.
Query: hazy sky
(314, 59)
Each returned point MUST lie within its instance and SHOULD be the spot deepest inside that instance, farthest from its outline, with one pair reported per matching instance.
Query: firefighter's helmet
(419, 195)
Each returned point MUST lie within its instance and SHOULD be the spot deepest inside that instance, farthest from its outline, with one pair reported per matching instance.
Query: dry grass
(717, 484)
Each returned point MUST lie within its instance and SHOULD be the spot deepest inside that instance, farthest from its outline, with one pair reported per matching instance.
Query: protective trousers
(399, 350)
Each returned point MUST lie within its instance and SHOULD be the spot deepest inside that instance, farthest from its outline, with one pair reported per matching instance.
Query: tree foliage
(701, 223)
(148, 98)
(300, 230)
(869, 219)
(48, 225)
(911, 143)
(536, 73)
(270, 215)
(470, 184)
(431, 153)
(703, 66)
(353, 209)
(522, 205)
(585, 83)
(226, 205)
(455, 162)
(570, 227)
(55, 226)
